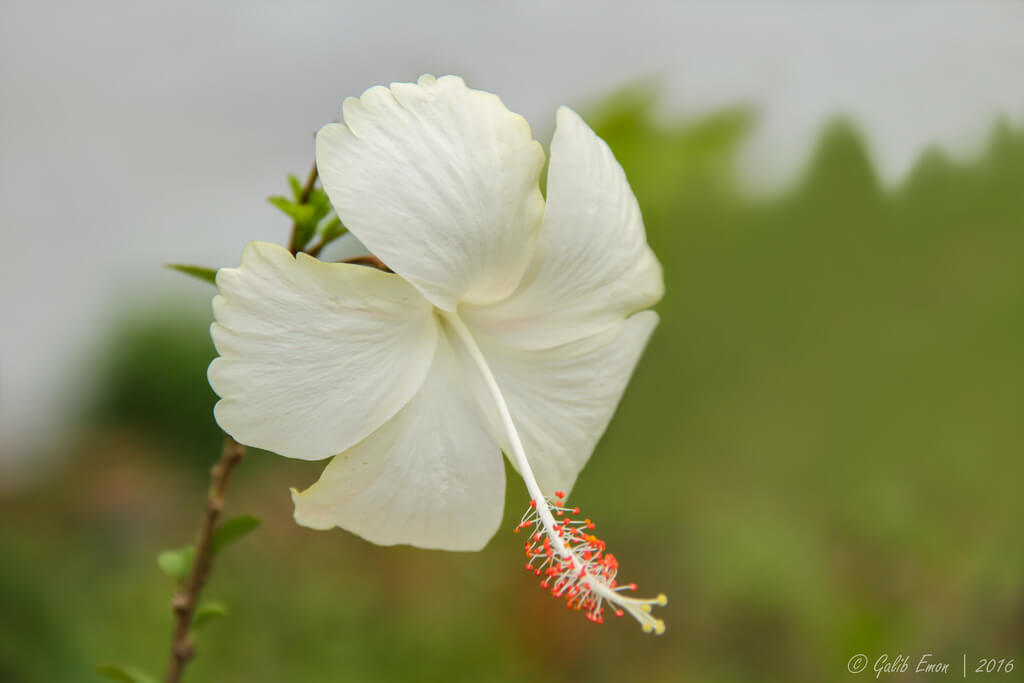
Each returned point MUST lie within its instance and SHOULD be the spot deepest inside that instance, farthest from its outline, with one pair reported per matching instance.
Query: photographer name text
(927, 663)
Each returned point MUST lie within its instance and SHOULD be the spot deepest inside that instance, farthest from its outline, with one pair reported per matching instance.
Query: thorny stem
(187, 597)
(307, 189)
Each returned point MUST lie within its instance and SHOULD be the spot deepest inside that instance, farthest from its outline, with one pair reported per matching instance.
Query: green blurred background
(818, 456)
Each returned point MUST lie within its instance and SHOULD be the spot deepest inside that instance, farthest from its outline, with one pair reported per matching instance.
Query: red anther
(559, 494)
(583, 567)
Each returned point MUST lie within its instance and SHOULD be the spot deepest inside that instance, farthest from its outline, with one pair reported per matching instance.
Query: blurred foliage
(818, 456)
(124, 674)
(152, 379)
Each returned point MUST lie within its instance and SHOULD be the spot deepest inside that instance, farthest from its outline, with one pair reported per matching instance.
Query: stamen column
(577, 570)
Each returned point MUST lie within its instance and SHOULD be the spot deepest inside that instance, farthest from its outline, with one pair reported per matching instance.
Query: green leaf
(296, 185)
(303, 234)
(232, 530)
(209, 611)
(124, 674)
(306, 217)
(176, 563)
(331, 229)
(300, 213)
(201, 272)
(318, 200)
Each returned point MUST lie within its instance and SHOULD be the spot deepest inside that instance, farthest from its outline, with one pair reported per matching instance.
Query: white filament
(638, 608)
(518, 452)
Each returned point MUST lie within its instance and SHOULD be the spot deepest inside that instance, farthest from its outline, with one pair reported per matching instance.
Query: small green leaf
(318, 199)
(303, 234)
(282, 203)
(296, 185)
(300, 213)
(331, 229)
(124, 674)
(209, 611)
(305, 216)
(201, 272)
(232, 530)
(176, 563)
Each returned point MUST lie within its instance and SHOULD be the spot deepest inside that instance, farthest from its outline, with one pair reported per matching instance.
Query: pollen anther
(584, 574)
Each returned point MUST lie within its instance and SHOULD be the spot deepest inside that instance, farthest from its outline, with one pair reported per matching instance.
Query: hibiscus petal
(562, 398)
(432, 476)
(440, 182)
(314, 356)
(592, 266)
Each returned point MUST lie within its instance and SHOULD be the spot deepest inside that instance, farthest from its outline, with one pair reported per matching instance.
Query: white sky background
(134, 134)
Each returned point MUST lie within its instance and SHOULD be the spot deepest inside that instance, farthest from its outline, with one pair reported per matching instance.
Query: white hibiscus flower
(508, 324)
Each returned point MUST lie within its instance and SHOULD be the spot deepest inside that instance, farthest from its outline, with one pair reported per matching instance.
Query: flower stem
(186, 599)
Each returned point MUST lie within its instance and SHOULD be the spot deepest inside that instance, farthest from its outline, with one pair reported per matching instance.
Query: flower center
(572, 561)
